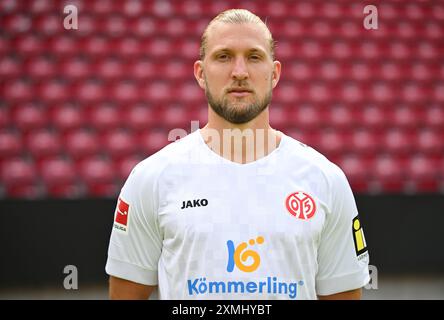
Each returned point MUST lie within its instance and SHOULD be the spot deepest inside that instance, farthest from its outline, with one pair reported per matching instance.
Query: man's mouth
(239, 92)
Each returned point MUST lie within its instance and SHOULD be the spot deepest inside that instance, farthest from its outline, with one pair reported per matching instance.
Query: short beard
(236, 115)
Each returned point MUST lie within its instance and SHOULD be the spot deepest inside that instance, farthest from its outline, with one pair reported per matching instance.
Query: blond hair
(235, 16)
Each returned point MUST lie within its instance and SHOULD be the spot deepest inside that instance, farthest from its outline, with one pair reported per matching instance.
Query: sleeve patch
(121, 216)
(358, 237)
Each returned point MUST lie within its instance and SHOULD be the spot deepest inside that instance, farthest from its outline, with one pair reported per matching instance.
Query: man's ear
(276, 73)
(199, 74)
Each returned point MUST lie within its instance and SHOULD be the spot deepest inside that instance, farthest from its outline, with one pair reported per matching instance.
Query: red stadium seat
(430, 142)
(42, 68)
(190, 92)
(356, 169)
(29, 44)
(76, 68)
(65, 45)
(438, 92)
(19, 178)
(406, 117)
(91, 91)
(9, 6)
(156, 92)
(96, 46)
(81, 143)
(105, 7)
(391, 71)
(352, 93)
(389, 173)
(41, 6)
(434, 117)
(288, 93)
(10, 144)
(177, 70)
(131, 8)
(103, 117)
(306, 117)
(278, 117)
(119, 143)
(125, 165)
(365, 142)
(159, 48)
(143, 26)
(421, 71)
(89, 24)
(43, 143)
(304, 9)
(143, 69)
(125, 92)
(29, 116)
(17, 90)
(5, 118)
(398, 142)
(139, 117)
(114, 25)
(151, 141)
(372, 117)
(340, 116)
(99, 177)
(129, 47)
(333, 142)
(199, 115)
(300, 70)
(10, 66)
(189, 49)
(60, 178)
(189, 8)
(48, 24)
(175, 117)
(421, 174)
(67, 117)
(54, 91)
(111, 69)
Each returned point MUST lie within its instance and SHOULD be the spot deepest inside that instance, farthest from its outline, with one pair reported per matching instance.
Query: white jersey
(202, 227)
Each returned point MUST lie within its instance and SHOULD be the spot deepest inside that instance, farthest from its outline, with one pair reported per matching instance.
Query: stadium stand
(78, 108)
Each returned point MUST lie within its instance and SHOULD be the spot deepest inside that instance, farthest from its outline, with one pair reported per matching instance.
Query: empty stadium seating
(79, 108)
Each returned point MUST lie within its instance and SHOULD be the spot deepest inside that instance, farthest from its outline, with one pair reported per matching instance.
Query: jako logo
(238, 256)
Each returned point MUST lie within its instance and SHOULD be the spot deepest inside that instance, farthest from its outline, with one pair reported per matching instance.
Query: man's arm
(120, 289)
(347, 295)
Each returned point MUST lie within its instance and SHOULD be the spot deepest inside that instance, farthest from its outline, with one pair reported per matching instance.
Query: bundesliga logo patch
(121, 216)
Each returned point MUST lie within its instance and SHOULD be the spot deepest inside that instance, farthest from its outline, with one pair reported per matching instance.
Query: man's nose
(240, 71)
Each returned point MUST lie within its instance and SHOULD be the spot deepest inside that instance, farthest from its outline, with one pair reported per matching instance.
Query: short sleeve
(135, 243)
(342, 254)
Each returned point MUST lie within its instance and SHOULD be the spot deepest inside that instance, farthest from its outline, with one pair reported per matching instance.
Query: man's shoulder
(311, 157)
(169, 154)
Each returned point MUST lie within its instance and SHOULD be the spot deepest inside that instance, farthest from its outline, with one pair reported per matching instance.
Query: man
(268, 219)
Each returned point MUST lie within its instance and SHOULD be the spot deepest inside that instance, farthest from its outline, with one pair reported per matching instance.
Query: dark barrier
(39, 238)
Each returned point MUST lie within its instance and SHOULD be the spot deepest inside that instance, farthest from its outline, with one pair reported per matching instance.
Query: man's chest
(229, 205)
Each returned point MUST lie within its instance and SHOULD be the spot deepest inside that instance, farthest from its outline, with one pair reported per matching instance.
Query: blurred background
(80, 107)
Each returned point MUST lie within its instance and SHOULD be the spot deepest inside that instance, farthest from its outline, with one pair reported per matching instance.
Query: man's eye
(222, 57)
(255, 57)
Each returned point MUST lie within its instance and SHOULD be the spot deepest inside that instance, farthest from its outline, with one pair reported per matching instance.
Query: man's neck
(241, 143)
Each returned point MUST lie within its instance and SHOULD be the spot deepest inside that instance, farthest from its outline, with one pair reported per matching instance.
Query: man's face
(237, 73)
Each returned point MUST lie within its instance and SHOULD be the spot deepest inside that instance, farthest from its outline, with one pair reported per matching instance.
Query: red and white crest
(300, 205)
